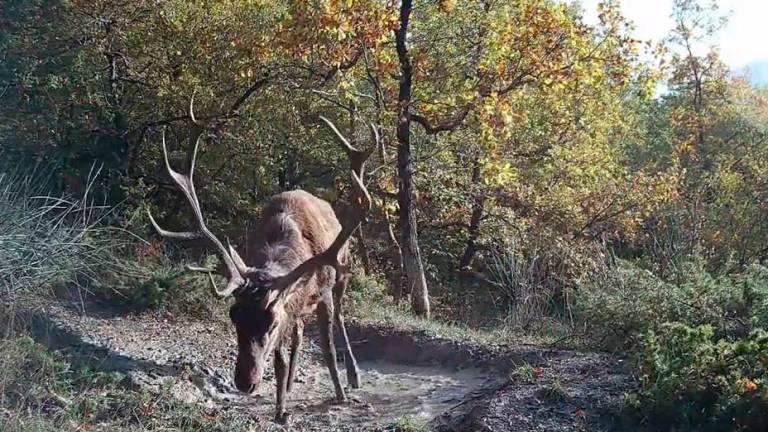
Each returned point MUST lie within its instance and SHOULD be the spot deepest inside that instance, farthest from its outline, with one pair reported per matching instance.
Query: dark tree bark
(478, 207)
(288, 176)
(362, 247)
(398, 290)
(414, 269)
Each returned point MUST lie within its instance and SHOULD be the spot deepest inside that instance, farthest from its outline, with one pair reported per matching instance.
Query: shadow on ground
(453, 385)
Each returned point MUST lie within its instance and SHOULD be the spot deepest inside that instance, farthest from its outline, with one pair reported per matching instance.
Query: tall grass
(48, 239)
(533, 285)
(51, 239)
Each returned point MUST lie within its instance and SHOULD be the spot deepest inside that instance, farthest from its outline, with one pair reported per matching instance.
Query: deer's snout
(247, 376)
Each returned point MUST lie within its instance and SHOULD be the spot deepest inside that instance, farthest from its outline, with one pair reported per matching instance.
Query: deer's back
(295, 226)
(314, 217)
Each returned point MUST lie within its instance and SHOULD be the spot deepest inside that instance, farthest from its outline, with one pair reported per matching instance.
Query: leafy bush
(29, 372)
(699, 342)
(160, 285)
(364, 291)
(406, 424)
(699, 382)
(618, 306)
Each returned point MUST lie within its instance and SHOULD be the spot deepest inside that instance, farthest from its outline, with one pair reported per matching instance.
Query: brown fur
(295, 226)
(298, 263)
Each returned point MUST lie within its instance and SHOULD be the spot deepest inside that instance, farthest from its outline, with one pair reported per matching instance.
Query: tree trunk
(414, 269)
(398, 290)
(363, 249)
(478, 207)
(288, 176)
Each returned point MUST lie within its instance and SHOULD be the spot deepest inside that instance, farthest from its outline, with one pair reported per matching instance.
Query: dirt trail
(456, 386)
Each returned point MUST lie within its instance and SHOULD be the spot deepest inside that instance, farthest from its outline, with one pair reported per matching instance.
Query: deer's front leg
(298, 337)
(281, 382)
(324, 317)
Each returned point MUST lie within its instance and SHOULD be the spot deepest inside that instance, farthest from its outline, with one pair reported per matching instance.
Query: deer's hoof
(282, 418)
(354, 380)
(339, 400)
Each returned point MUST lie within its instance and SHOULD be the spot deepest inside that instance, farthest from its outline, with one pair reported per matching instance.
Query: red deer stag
(299, 263)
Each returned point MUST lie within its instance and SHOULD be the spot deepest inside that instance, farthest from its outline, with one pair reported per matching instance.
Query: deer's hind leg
(353, 373)
(324, 316)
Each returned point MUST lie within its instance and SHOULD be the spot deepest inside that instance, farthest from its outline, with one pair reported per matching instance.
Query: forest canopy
(506, 124)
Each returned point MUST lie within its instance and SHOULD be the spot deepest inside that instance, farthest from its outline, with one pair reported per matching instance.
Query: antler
(356, 157)
(236, 268)
(361, 200)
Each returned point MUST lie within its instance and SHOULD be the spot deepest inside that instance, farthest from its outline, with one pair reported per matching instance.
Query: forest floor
(442, 383)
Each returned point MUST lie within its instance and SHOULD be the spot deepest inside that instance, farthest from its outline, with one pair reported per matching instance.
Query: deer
(297, 264)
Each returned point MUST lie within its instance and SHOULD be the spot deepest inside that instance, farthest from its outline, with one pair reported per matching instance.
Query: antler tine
(235, 276)
(356, 157)
(196, 129)
(357, 160)
(332, 253)
(239, 263)
(187, 186)
(178, 235)
(192, 107)
(375, 137)
(349, 148)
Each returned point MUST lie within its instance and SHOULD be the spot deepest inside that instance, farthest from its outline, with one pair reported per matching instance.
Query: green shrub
(618, 306)
(365, 291)
(406, 424)
(699, 382)
(29, 372)
(153, 293)
(156, 283)
(698, 341)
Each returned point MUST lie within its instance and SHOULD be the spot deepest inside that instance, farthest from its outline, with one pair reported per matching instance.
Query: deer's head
(258, 313)
(259, 319)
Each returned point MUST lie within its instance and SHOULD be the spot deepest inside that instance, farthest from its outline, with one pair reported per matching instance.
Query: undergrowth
(43, 390)
(699, 343)
(384, 312)
(406, 424)
(61, 245)
(169, 288)
(48, 240)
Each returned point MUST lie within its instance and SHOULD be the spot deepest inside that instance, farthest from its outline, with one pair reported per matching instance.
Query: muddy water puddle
(419, 391)
(199, 358)
(389, 391)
